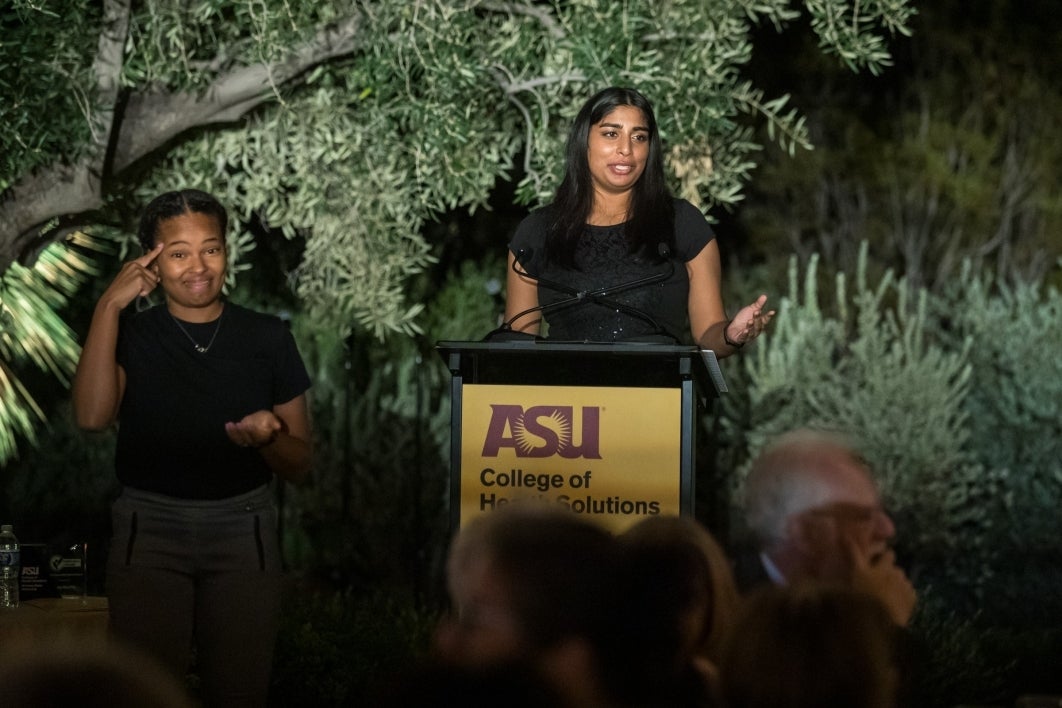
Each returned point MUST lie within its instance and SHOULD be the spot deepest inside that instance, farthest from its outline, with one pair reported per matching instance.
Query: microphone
(598, 296)
(505, 331)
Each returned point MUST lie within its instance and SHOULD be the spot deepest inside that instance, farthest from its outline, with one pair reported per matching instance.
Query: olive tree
(351, 124)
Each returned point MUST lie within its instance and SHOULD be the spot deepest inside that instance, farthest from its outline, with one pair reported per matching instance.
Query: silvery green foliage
(46, 52)
(1015, 410)
(350, 124)
(429, 104)
(869, 364)
(33, 335)
(383, 410)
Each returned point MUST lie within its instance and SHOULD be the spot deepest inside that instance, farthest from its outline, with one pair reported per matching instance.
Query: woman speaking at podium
(598, 263)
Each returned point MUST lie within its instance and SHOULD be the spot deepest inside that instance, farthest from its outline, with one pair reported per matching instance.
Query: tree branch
(110, 58)
(150, 121)
(544, 16)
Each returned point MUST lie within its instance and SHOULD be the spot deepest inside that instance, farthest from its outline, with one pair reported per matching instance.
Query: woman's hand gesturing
(748, 323)
(136, 279)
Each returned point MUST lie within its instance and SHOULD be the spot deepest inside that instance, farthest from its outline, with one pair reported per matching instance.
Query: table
(51, 618)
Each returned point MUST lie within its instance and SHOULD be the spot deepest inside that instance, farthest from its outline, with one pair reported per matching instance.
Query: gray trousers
(186, 573)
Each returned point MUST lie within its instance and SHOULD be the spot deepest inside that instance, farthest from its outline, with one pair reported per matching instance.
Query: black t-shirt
(603, 258)
(171, 424)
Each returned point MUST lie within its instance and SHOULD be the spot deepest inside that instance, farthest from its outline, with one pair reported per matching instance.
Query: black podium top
(551, 363)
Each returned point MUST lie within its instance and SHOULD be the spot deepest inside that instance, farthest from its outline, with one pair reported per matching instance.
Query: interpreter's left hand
(254, 430)
(749, 322)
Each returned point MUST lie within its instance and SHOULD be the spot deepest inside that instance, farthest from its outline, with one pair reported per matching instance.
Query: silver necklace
(199, 347)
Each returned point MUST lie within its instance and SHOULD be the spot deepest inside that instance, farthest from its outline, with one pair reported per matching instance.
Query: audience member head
(810, 646)
(434, 684)
(816, 511)
(678, 600)
(811, 503)
(86, 674)
(681, 575)
(533, 582)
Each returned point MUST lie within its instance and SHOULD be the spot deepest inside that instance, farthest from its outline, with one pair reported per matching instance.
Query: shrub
(956, 399)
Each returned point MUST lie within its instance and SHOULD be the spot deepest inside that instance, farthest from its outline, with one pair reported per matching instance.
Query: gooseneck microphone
(598, 296)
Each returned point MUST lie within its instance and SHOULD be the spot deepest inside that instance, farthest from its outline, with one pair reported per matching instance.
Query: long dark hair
(171, 204)
(652, 212)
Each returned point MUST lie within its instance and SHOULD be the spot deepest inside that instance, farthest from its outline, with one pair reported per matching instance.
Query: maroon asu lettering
(543, 431)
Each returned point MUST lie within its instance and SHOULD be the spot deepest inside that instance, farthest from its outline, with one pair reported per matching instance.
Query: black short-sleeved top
(603, 258)
(171, 424)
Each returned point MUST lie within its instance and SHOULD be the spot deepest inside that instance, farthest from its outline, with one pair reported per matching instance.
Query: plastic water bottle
(10, 565)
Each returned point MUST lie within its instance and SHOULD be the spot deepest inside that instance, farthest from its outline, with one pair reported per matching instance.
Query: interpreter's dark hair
(171, 204)
(651, 219)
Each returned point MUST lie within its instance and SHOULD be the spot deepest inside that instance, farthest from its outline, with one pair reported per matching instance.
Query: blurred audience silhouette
(810, 646)
(85, 674)
(535, 583)
(439, 684)
(679, 602)
(815, 512)
(547, 607)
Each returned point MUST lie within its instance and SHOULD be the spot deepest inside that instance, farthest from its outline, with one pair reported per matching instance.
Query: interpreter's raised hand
(880, 577)
(255, 429)
(135, 279)
(748, 323)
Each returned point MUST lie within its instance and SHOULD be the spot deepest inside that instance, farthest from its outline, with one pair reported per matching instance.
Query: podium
(608, 430)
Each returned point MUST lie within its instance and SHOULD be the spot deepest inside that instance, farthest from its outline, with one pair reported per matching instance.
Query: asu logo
(543, 431)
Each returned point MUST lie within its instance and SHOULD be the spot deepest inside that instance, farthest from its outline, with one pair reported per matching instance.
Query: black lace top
(612, 295)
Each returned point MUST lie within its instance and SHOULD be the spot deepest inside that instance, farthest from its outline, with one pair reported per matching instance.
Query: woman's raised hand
(136, 279)
(749, 322)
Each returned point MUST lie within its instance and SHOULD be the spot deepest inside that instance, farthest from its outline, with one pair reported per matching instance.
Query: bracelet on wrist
(726, 337)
